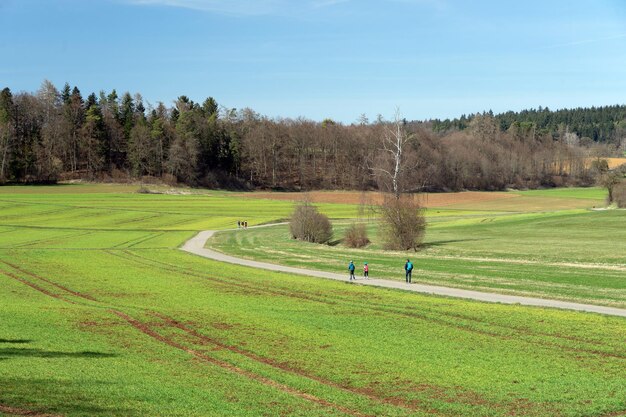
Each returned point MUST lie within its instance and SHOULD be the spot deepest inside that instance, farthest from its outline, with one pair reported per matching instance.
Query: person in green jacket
(408, 268)
(351, 268)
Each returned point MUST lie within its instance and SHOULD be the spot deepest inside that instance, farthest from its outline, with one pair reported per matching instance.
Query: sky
(325, 58)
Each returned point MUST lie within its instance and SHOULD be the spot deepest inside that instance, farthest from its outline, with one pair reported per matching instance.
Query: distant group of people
(408, 270)
(242, 224)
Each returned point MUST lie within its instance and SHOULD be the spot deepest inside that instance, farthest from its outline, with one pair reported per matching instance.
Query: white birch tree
(392, 165)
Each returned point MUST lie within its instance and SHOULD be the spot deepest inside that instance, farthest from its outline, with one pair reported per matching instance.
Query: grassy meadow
(520, 245)
(101, 314)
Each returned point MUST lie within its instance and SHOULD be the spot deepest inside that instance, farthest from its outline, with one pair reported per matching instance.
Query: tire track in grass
(153, 236)
(137, 219)
(192, 332)
(143, 328)
(410, 314)
(146, 330)
(22, 203)
(172, 323)
(135, 240)
(423, 315)
(30, 215)
(51, 239)
(615, 414)
(14, 411)
(35, 287)
(250, 289)
(294, 371)
(54, 284)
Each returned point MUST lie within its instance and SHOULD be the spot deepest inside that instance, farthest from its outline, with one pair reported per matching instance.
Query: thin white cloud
(440, 5)
(327, 3)
(241, 7)
(586, 41)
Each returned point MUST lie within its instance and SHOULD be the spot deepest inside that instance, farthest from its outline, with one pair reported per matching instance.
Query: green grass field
(101, 316)
(570, 254)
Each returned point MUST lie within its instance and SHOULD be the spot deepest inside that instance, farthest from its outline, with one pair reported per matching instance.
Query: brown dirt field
(372, 197)
(531, 203)
(615, 162)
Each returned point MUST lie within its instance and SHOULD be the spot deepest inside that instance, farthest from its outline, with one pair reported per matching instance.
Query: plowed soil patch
(375, 198)
(613, 162)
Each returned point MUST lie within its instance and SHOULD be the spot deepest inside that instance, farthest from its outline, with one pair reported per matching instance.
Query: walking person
(366, 271)
(351, 268)
(238, 224)
(408, 268)
(245, 224)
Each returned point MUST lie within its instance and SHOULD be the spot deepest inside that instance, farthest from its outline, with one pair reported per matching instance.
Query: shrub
(169, 179)
(149, 179)
(309, 225)
(356, 236)
(619, 195)
(402, 223)
(120, 177)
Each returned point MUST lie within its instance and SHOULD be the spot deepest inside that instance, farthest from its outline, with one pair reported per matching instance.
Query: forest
(52, 135)
(595, 124)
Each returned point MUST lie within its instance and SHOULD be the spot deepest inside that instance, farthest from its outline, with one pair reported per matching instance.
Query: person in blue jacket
(408, 268)
(351, 268)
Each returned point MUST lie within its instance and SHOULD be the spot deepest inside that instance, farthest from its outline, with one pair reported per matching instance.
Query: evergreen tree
(66, 93)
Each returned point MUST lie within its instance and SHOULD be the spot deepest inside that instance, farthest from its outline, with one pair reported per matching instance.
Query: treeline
(595, 124)
(50, 135)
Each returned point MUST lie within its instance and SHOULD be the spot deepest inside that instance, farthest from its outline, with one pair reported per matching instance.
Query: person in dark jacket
(408, 268)
(351, 268)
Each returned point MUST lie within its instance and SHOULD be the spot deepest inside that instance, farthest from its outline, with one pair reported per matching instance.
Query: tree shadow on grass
(59, 398)
(335, 242)
(7, 353)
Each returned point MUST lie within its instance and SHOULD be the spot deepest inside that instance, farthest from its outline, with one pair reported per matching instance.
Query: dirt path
(196, 245)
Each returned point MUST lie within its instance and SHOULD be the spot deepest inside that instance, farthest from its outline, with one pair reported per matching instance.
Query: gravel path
(196, 245)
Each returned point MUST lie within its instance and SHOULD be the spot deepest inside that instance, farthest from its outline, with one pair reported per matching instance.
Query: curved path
(196, 245)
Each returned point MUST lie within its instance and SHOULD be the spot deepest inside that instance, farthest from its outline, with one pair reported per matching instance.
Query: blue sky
(325, 58)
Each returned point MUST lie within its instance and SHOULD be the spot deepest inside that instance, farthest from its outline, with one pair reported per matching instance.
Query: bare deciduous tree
(309, 225)
(356, 236)
(619, 194)
(402, 223)
(391, 166)
(610, 180)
